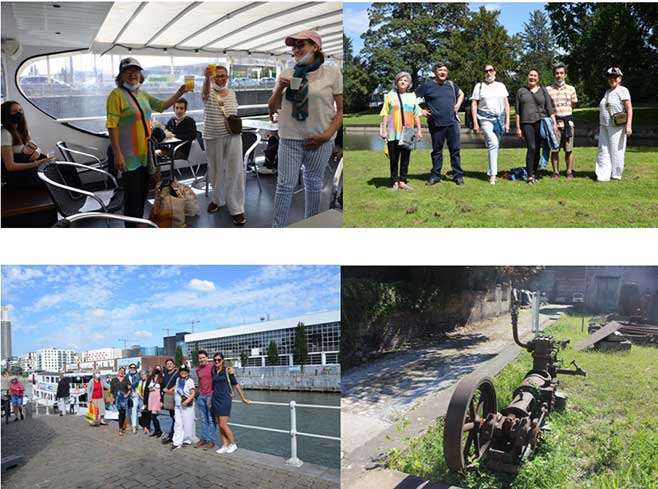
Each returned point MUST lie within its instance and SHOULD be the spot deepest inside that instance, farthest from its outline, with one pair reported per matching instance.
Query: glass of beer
(213, 69)
(189, 83)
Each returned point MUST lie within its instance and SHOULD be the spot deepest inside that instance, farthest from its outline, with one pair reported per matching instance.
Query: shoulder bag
(150, 149)
(168, 399)
(233, 122)
(228, 381)
(619, 118)
(407, 134)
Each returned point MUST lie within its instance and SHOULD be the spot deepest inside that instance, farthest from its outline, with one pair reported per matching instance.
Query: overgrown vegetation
(606, 439)
(631, 202)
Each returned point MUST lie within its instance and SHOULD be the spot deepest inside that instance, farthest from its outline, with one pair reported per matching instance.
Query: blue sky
(513, 15)
(85, 307)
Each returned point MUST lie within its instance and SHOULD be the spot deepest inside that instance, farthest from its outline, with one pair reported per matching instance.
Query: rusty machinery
(475, 429)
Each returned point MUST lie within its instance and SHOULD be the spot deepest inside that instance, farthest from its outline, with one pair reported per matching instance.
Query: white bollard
(293, 460)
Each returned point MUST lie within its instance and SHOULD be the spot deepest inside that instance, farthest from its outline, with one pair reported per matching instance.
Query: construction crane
(190, 322)
(167, 330)
(125, 341)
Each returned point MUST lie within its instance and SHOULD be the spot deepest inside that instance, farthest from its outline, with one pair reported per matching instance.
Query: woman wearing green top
(130, 130)
(391, 127)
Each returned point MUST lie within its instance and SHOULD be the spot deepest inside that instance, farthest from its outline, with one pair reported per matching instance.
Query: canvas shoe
(231, 448)
(221, 450)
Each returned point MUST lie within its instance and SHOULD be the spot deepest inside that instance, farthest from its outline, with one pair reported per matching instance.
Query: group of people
(544, 119)
(143, 396)
(308, 115)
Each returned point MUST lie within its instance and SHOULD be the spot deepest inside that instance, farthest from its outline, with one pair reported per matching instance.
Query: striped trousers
(292, 156)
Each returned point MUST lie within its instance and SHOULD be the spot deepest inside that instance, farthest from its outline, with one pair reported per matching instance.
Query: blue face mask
(306, 59)
(131, 87)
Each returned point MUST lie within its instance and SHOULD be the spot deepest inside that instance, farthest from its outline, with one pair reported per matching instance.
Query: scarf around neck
(299, 98)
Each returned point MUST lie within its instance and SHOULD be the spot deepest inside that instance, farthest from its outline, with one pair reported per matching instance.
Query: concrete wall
(312, 378)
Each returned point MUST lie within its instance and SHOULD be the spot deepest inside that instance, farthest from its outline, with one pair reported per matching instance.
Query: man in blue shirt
(442, 101)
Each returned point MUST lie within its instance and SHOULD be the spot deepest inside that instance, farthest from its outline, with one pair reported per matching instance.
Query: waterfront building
(53, 359)
(171, 342)
(322, 331)
(5, 326)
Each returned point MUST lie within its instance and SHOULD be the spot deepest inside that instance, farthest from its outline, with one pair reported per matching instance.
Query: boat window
(73, 87)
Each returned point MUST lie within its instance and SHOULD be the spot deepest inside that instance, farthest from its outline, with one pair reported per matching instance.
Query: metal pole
(293, 460)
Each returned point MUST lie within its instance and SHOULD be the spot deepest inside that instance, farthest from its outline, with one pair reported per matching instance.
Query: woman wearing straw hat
(309, 102)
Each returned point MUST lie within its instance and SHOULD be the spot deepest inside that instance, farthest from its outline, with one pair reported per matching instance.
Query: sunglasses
(217, 360)
(489, 70)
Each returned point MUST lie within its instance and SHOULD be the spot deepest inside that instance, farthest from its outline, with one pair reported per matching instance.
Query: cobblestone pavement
(67, 453)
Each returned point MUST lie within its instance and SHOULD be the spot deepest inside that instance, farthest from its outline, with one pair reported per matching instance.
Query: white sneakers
(229, 449)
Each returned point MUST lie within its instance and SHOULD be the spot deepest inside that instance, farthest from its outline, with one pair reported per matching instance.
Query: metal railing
(294, 459)
(160, 115)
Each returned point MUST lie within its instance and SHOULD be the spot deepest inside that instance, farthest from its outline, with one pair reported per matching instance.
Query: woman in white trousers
(612, 135)
(184, 407)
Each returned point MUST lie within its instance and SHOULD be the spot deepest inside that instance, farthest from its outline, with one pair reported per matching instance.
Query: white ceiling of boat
(212, 27)
(181, 27)
(38, 23)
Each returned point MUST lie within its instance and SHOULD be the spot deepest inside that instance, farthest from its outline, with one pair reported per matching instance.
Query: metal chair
(250, 141)
(91, 161)
(69, 222)
(69, 194)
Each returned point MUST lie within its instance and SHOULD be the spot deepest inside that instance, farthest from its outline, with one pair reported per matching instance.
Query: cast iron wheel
(464, 441)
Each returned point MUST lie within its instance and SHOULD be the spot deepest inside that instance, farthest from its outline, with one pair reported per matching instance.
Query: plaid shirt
(564, 98)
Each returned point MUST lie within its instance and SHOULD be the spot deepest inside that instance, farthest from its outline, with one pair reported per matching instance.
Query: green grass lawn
(643, 116)
(606, 439)
(631, 202)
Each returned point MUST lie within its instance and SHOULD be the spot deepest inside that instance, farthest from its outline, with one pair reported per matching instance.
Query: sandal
(239, 220)
(395, 187)
(404, 186)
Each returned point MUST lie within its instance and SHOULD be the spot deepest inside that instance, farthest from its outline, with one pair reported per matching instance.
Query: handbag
(619, 118)
(150, 157)
(408, 134)
(228, 381)
(233, 122)
(168, 399)
(168, 209)
(189, 197)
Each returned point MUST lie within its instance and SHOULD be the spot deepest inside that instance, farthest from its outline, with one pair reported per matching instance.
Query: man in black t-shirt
(183, 127)
(442, 101)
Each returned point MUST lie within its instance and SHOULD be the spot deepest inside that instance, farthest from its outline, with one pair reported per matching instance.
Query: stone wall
(313, 378)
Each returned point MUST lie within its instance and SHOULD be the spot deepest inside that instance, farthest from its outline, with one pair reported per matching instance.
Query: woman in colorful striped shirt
(129, 126)
(391, 127)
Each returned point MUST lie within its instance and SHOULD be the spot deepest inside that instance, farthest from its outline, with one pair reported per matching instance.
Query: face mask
(306, 59)
(131, 87)
(559, 83)
(16, 118)
(180, 118)
(216, 87)
(97, 376)
(489, 78)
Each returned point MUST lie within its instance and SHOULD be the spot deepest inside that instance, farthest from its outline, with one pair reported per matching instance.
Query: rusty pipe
(515, 327)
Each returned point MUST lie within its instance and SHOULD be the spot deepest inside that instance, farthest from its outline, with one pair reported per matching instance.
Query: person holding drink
(128, 122)
(224, 149)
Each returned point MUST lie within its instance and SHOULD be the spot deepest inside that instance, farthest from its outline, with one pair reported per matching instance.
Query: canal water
(369, 140)
(309, 420)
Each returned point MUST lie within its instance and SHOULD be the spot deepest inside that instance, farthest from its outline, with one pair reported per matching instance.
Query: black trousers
(136, 189)
(533, 143)
(441, 135)
(173, 422)
(398, 155)
(145, 419)
(156, 423)
(122, 418)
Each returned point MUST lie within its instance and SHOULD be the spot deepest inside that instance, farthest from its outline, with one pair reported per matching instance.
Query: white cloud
(48, 300)
(355, 22)
(201, 285)
(143, 334)
(98, 313)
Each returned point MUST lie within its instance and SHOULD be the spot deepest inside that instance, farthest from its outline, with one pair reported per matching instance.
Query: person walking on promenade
(95, 395)
(564, 99)
(16, 392)
(443, 97)
(223, 383)
(133, 402)
(204, 403)
(62, 394)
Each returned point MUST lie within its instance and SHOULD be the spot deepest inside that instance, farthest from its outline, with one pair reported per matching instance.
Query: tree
(597, 36)
(358, 83)
(482, 40)
(194, 361)
(539, 47)
(272, 354)
(408, 37)
(244, 357)
(301, 346)
(178, 357)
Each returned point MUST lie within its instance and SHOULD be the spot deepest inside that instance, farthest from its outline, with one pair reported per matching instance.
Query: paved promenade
(67, 453)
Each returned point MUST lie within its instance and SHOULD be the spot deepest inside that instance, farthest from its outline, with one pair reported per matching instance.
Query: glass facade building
(322, 331)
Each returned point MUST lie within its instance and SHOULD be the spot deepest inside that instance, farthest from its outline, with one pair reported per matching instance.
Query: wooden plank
(599, 335)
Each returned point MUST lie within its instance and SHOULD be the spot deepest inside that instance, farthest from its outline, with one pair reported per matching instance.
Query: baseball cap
(310, 35)
(614, 71)
(127, 63)
(184, 367)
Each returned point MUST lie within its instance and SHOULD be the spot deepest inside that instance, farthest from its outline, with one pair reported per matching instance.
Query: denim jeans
(487, 126)
(208, 421)
(134, 411)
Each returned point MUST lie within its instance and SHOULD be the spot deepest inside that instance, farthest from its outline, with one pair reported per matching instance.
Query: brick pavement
(67, 453)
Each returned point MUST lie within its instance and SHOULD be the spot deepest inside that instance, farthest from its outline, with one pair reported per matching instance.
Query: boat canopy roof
(175, 28)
